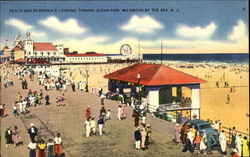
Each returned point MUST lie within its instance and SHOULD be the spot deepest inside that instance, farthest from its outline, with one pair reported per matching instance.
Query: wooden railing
(228, 133)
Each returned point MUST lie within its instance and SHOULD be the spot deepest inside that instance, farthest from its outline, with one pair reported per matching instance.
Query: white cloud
(95, 39)
(38, 34)
(239, 32)
(144, 24)
(196, 32)
(18, 24)
(68, 26)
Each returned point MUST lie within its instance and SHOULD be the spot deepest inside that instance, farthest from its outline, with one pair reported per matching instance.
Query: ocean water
(238, 58)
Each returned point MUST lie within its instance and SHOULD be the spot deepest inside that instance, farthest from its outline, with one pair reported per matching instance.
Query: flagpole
(161, 51)
(139, 53)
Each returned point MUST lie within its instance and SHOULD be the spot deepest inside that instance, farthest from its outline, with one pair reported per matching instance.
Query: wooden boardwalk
(117, 140)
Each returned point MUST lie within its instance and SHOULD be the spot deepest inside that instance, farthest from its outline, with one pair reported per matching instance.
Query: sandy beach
(213, 99)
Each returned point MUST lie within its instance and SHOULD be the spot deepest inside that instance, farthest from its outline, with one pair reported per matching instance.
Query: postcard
(124, 78)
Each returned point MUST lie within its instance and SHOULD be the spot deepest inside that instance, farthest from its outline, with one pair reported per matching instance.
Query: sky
(205, 26)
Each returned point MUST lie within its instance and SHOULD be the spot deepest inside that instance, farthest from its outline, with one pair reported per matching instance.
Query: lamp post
(139, 78)
(87, 75)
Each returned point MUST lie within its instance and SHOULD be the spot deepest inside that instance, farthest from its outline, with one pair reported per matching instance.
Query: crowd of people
(192, 140)
(142, 135)
(202, 143)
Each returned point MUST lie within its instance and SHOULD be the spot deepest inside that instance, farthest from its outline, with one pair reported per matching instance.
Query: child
(50, 147)
(15, 110)
(108, 115)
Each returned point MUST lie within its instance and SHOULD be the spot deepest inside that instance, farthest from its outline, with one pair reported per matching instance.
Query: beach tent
(159, 80)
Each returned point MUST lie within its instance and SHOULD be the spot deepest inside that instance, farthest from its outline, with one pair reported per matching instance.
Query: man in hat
(32, 132)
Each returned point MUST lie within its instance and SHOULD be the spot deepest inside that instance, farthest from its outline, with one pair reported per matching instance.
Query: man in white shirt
(21, 106)
(88, 127)
(238, 144)
(32, 148)
(58, 145)
(223, 142)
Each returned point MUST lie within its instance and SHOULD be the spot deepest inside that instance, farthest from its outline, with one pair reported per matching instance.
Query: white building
(86, 58)
(40, 50)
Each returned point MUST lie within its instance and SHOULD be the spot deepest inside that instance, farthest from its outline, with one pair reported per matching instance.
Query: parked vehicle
(204, 127)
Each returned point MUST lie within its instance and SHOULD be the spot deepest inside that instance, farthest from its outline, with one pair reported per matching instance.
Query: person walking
(245, 148)
(8, 137)
(93, 126)
(41, 148)
(73, 86)
(124, 112)
(47, 99)
(177, 131)
(88, 127)
(15, 110)
(58, 145)
(238, 143)
(103, 112)
(136, 116)
(137, 136)
(32, 146)
(197, 141)
(4, 111)
(189, 142)
(32, 132)
(88, 112)
(233, 137)
(108, 115)
(15, 136)
(19, 97)
(119, 112)
(100, 123)
(148, 135)
(223, 142)
(143, 136)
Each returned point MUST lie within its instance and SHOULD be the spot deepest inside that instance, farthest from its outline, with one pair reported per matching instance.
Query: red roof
(17, 48)
(44, 47)
(84, 55)
(21, 60)
(153, 75)
(21, 43)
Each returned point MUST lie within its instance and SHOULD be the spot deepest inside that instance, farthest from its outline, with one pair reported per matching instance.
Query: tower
(17, 40)
(28, 43)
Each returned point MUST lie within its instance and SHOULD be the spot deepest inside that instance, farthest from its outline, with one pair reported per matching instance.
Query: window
(48, 53)
(54, 53)
(41, 53)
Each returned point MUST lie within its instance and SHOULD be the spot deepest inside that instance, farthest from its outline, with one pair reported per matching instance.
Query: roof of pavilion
(153, 75)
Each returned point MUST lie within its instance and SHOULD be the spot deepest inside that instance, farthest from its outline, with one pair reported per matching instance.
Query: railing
(228, 133)
(171, 106)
